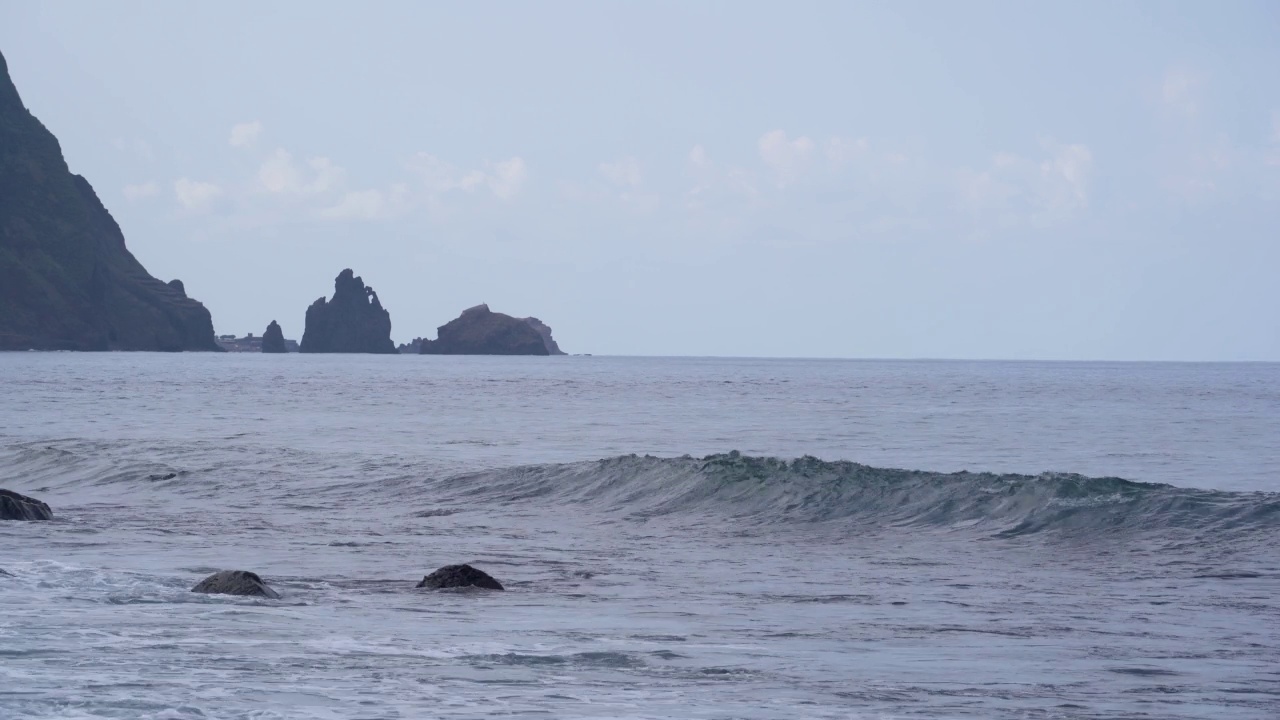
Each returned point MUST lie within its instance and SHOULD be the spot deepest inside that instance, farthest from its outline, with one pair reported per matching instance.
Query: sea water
(679, 538)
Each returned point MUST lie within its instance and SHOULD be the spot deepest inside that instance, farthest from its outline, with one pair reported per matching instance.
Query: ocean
(679, 538)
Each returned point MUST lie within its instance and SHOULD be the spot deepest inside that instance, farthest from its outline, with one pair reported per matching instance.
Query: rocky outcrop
(545, 331)
(20, 507)
(235, 582)
(273, 339)
(67, 281)
(480, 331)
(452, 576)
(352, 322)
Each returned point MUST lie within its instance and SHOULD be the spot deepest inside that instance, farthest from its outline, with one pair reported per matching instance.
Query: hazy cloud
(1180, 91)
(369, 204)
(196, 196)
(625, 172)
(843, 151)
(787, 158)
(245, 134)
(141, 190)
(507, 178)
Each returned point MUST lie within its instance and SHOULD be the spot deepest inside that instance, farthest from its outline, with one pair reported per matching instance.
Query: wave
(744, 490)
(769, 491)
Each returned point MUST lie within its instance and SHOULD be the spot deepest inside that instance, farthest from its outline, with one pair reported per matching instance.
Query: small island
(480, 331)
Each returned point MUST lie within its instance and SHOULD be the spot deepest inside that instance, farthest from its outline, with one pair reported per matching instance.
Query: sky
(1069, 181)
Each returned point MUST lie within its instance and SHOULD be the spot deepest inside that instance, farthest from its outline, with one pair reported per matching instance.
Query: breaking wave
(747, 491)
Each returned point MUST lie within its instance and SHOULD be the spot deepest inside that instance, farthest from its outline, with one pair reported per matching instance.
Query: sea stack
(480, 331)
(273, 339)
(67, 281)
(352, 322)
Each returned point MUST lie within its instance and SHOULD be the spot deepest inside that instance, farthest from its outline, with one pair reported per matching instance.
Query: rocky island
(352, 322)
(67, 281)
(480, 331)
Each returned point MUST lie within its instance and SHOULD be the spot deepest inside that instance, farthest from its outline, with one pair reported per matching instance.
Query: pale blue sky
(961, 180)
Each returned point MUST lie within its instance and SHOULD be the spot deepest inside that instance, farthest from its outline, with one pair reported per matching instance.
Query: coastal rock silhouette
(235, 582)
(480, 331)
(20, 507)
(352, 322)
(67, 281)
(273, 339)
(452, 576)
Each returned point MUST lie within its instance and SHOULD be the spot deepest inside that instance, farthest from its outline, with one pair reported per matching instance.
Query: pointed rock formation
(67, 281)
(352, 322)
(273, 339)
(480, 331)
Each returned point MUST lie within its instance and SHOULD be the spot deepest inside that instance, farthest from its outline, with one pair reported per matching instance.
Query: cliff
(67, 281)
(480, 331)
(352, 322)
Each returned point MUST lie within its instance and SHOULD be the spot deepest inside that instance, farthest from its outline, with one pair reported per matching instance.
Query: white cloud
(141, 190)
(787, 158)
(439, 176)
(698, 157)
(196, 196)
(245, 134)
(1013, 189)
(279, 174)
(625, 172)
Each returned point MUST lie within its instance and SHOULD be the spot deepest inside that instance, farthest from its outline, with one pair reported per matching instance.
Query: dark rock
(235, 582)
(545, 331)
(273, 339)
(176, 284)
(480, 331)
(451, 576)
(352, 322)
(413, 347)
(67, 281)
(20, 507)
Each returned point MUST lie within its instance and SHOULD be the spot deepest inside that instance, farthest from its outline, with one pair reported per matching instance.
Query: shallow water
(748, 585)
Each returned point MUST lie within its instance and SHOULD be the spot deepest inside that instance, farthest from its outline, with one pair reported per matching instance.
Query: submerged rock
(20, 507)
(451, 576)
(235, 582)
(480, 331)
(352, 322)
(273, 339)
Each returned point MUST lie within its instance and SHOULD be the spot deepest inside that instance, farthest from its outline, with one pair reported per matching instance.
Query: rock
(451, 576)
(545, 331)
(20, 507)
(480, 331)
(352, 322)
(235, 582)
(67, 281)
(273, 339)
